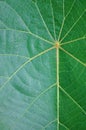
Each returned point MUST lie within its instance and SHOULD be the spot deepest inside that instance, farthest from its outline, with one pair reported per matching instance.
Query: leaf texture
(42, 65)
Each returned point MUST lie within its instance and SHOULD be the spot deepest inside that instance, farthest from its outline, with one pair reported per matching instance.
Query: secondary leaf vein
(35, 99)
(44, 21)
(74, 40)
(73, 56)
(17, 15)
(73, 26)
(73, 101)
(25, 63)
(29, 32)
(53, 18)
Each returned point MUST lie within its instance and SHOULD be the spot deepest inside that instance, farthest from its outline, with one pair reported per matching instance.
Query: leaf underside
(42, 65)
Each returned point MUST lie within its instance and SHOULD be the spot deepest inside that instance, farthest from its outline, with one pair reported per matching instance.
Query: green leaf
(42, 65)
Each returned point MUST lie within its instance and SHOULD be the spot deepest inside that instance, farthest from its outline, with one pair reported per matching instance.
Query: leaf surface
(42, 65)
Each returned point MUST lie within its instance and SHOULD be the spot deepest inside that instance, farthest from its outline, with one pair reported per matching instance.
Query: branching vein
(74, 40)
(25, 63)
(62, 23)
(43, 21)
(73, 56)
(73, 101)
(73, 26)
(55, 120)
(14, 55)
(37, 36)
(53, 19)
(70, 9)
(35, 99)
(64, 126)
(17, 15)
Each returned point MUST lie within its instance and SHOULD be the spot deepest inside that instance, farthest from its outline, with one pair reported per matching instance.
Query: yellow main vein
(57, 61)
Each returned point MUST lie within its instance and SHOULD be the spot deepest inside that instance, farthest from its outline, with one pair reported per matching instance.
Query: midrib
(57, 62)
